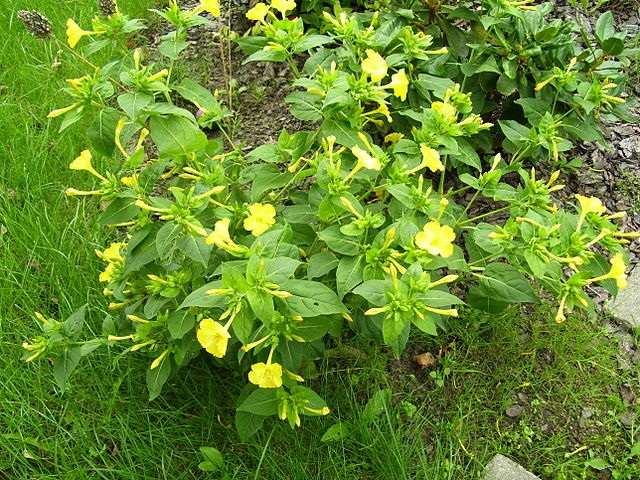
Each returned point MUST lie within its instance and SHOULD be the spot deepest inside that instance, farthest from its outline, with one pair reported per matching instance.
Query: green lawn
(442, 422)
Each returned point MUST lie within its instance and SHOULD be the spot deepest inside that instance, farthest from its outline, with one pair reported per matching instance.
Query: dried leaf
(425, 360)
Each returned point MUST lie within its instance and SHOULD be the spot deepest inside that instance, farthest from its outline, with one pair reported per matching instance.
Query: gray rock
(626, 305)
(503, 468)
(514, 411)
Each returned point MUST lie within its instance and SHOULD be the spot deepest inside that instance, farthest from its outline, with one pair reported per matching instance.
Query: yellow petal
(374, 65)
(61, 111)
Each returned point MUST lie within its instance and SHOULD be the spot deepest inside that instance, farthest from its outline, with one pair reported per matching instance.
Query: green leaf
(213, 460)
(72, 326)
(166, 237)
(505, 85)
(186, 348)
(269, 178)
(311, 41)
(372, 291)
(195, 248)
(174, 135)
(132, 103)
(477, 299)
(157, 377)
(269, 56)
(154, 304)
(101, 132)
(179, 323)
(502, 282)
(516, 133)
(402, 193)
(467, 154)
(605, 27)
(145, 252)
(321, 263)
(280, 269)
(262, 401)
(376, 405)
(163, 108)
(392, 326)
(349, 274)
(120, 210)
(247, 424)
(65, 363)
(266, 153)
(597, 464)
(173, 48)
(199, 298)
(197, 94)
(313, 328)
(337, 432)
(426, 324)
(305, 106)
(311, 299)
(345, 134)
(439, 298)
(613, 46)
(251, 45)
(242, 325)
(262, 304)
(338, 242)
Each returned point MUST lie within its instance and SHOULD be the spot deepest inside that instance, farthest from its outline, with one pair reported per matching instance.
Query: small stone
(625, 305)
(514, 411)
(587, 413)
(503, 468)
(627, 419)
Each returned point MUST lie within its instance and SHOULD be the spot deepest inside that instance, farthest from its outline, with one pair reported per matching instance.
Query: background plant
(222, 253)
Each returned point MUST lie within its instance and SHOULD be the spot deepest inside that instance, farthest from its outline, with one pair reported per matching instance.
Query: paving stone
(503, 468)
(626, 305)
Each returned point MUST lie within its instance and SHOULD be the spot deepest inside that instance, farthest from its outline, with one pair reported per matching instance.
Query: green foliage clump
(372, 218)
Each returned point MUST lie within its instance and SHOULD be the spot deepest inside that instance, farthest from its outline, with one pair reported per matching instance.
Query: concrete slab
(626, 305)
(503, 468)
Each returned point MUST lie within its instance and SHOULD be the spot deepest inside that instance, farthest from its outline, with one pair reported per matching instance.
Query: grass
(104, 427)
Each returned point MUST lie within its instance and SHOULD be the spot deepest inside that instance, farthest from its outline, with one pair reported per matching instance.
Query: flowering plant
(371, 219)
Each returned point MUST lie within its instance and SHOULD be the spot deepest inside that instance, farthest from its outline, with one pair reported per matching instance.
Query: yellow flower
(75, 33)
(261, 217)
(213, 337)
(220, 237)
(258, 12)
(115, 261)
(365, 160)
(283, 6)
(61, 111)
(393, 137)
(382, 109)
(436, 239)
(400, 84)
(446, 111)
(83, 162)
(211, 6)
(374, 65)
(590, 204)
(430, 159)
(112, 253)
(617, 271)
(266, 375)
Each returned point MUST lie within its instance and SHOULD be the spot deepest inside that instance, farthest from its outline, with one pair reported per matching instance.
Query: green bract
(256, 257)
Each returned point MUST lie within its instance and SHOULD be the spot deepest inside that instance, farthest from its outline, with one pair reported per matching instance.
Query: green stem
(442, 175)
(466, 209)
(293, 66)
(493, 212)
